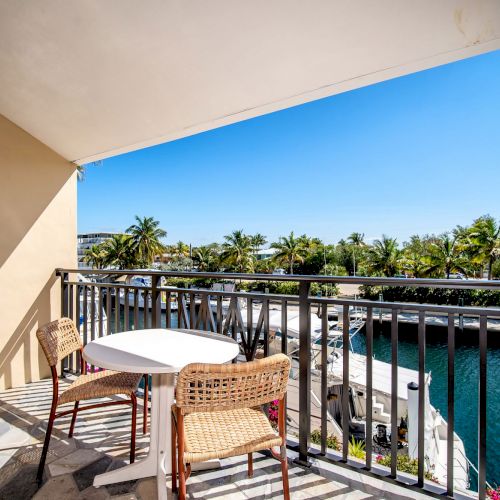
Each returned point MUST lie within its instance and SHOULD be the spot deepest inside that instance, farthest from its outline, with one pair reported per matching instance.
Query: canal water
(466, 386)
(466, 382)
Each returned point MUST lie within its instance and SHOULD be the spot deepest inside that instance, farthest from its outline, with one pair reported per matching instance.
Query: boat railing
(221, 311)
(474, 468)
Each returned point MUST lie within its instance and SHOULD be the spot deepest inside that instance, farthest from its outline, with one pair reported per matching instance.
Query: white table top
(159, 350)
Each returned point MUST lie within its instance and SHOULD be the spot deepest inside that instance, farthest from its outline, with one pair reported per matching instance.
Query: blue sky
(417, 154)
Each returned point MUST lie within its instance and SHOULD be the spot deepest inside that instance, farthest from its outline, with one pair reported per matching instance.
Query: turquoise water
(466, 385)
(466, 390)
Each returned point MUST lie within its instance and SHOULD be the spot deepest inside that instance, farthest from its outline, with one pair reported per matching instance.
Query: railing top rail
(354, 280)
(402, 306)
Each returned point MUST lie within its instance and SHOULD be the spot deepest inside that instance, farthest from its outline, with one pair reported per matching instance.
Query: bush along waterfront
(440, 296)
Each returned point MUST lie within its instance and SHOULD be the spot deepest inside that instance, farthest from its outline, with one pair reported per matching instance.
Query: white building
(265, 253)
(87, 240)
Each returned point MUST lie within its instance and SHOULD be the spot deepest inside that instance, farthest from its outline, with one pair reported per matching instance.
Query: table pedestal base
(158, 461)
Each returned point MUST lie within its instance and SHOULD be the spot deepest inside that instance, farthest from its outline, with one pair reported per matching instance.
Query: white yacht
(143, 281)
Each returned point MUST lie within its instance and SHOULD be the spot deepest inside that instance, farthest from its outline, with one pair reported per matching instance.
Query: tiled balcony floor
(101, 442)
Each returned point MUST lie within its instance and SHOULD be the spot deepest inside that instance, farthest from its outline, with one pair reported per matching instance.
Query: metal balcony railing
(103, 306)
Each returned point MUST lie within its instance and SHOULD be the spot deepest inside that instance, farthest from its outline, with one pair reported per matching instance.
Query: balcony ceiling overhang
(92, 79)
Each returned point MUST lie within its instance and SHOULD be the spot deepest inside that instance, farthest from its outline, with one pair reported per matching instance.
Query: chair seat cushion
(100, 384)
(221, 434)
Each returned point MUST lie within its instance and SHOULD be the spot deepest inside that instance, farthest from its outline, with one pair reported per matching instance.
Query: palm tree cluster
(135, 249)
(468, 250)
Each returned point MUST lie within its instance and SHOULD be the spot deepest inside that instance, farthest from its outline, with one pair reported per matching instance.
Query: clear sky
(417, 154)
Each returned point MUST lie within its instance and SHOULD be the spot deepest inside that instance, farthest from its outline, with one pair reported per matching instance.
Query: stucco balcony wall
(38, 233)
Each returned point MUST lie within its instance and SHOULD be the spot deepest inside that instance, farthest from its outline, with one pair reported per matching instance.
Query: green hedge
(187, 282)
(441, 296)
(287, 287)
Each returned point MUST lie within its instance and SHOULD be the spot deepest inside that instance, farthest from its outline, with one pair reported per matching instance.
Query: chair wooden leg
(284, 473)
(146, 399)
(174, 457)
(73, 420)
(250, 465)
(182, 478)
(180, 456)
(45, 449)
(133, 399)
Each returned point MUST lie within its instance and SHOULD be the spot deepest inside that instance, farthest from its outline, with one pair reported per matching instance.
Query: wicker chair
(59, 339)
(218, 414)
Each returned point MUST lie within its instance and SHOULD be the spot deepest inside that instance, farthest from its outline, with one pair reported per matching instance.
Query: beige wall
(37, 235)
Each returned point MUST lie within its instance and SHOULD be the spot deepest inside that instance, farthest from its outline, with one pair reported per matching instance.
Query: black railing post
(155, 302)
(482, 406)
(451, 406)
(64, 294)
(304, 374)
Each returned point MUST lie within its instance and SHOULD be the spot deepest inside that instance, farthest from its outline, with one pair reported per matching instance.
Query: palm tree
(414, 258)
(357, 239)
(309, 243)
(447, 256)
(384, 256)
(95, 256)
(290, 250)
(206, 258)
(119, 251)
(80, 172)
(180, 249)
(357, 242)
(237, 252)
(258, 241)
(414, 263)
(485, 237)
(146, 239)
(81, 169)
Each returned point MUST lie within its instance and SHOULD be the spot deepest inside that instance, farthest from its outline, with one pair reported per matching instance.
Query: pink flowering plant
(273, 413)
(494, 494)
(96, 368)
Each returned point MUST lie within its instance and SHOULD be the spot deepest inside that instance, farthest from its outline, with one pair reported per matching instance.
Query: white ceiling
(94, 78)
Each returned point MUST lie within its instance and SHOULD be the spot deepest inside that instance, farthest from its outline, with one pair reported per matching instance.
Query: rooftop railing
(103, 306)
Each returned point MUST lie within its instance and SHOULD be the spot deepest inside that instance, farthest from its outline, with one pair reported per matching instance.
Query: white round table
(162, 353)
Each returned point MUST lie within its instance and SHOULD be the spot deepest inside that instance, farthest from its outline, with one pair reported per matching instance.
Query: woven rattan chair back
(206, 387)
(58, 339)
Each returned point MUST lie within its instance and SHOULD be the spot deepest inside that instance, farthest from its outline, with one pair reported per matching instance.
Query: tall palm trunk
(490, 268)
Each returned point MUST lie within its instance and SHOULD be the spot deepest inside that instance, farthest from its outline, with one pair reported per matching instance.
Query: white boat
(141, 281)
(436, 427)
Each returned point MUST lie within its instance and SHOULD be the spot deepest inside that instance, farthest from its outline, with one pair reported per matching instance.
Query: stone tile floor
(101, 442)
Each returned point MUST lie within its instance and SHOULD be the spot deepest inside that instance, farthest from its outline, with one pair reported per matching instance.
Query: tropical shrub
(332, 441)
(421, 295)
(405, 464)
(357, 448)
(190, 282)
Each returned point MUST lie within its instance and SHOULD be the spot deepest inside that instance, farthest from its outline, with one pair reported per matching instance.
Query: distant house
(265, 253)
